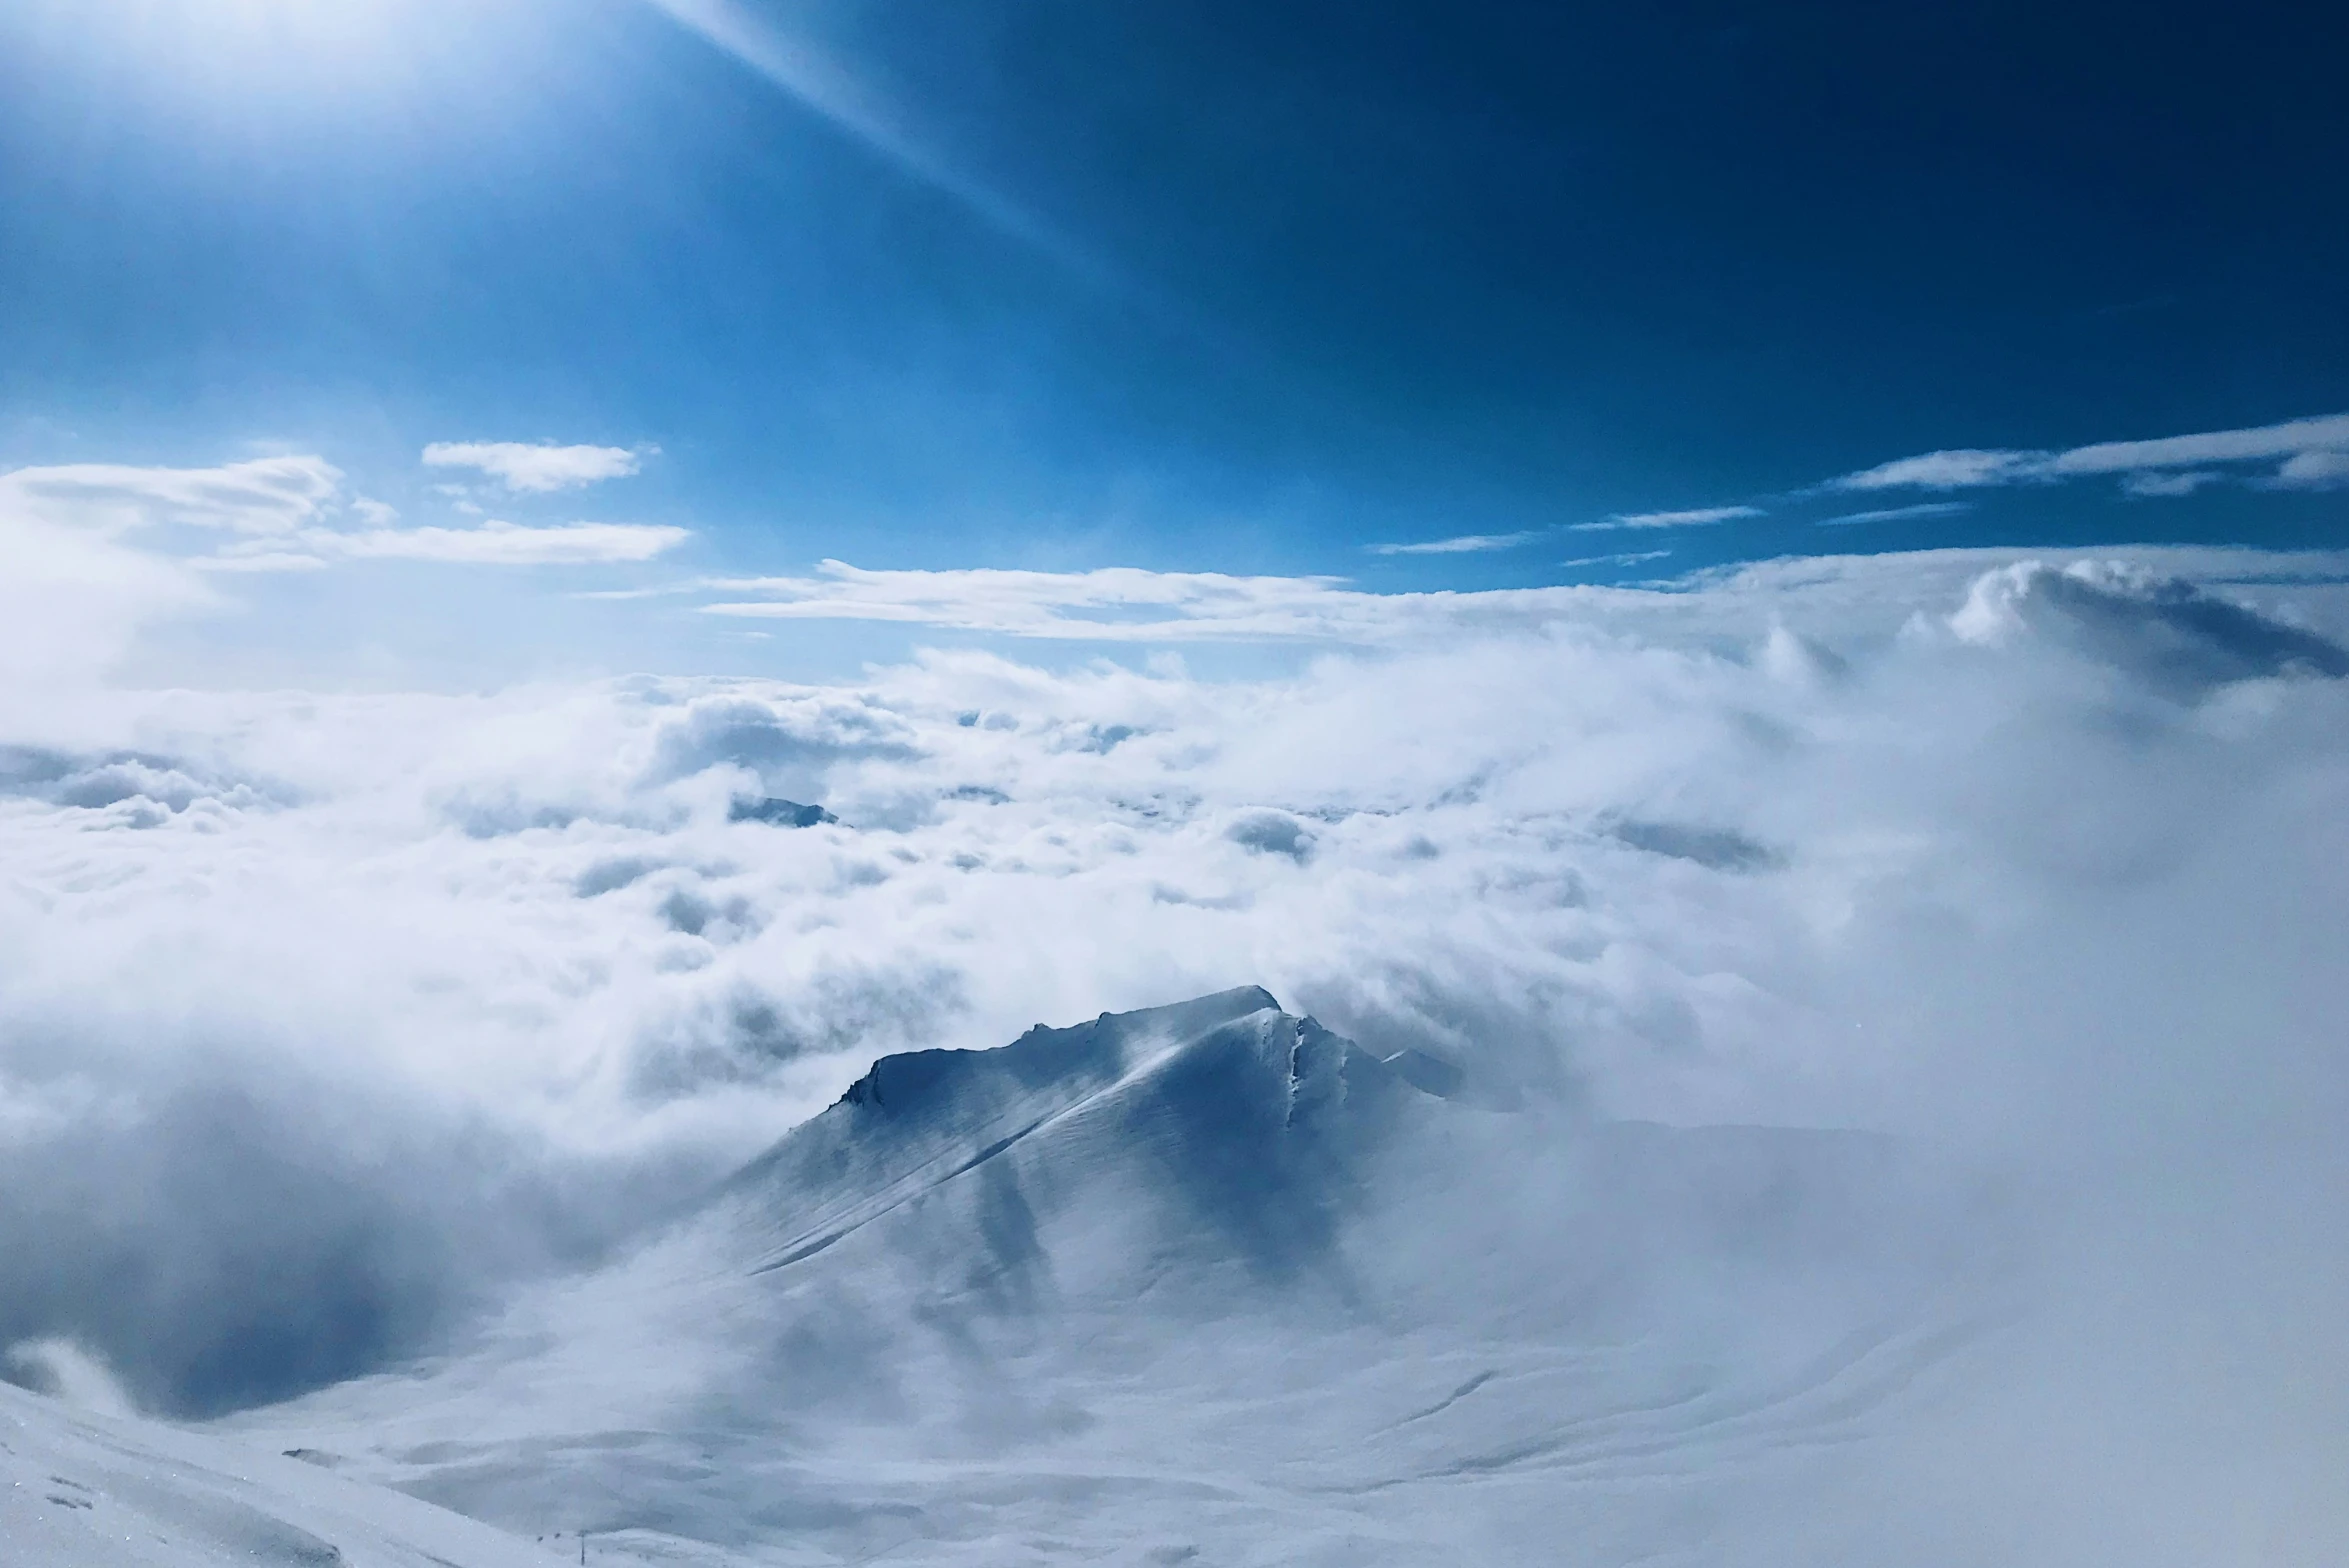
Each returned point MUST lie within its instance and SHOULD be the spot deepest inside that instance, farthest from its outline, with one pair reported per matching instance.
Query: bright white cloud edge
(537, 468)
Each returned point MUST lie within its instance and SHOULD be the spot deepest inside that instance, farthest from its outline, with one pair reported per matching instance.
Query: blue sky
(1263, 290)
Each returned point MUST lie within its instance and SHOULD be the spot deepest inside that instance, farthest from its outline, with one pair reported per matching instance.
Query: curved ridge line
(804, 1250)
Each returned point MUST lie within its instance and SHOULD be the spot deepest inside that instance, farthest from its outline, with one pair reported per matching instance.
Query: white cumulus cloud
(526, 466)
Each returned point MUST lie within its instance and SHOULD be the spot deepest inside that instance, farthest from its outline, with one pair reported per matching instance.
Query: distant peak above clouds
(538, 467)
(2172, 634)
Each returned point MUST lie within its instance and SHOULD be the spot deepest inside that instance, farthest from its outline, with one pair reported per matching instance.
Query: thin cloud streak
(2315, 453)
(509, 544)
(1135, 606)
(1464, 544)
(1892, 514)
(260, 496)
(292, 514)
(1694, 517)
(1627, 558)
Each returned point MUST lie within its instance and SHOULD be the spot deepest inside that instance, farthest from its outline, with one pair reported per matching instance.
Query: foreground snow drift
(91, 1491)
(1204, 1282)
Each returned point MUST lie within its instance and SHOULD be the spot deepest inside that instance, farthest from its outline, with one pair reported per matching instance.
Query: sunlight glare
(321, 60)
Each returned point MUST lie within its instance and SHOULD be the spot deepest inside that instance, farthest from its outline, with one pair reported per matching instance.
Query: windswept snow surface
(84, 1490)
(1205, 1282)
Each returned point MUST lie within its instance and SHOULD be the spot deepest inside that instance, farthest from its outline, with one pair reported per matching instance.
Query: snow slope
(83, 1490)
(1203, 1283)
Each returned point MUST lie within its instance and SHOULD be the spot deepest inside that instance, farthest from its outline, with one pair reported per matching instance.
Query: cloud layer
(2010, 852)
(1130, 605)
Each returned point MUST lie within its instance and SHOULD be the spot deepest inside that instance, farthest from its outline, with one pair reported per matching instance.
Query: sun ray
(824, 86)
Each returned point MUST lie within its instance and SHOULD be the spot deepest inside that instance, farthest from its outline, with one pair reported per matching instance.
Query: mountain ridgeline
(1253, 1119)
(1203, 1282)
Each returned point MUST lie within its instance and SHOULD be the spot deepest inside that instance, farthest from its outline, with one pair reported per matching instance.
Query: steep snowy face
(1203, 1278)
(1252, 1114)
(1223, 1151)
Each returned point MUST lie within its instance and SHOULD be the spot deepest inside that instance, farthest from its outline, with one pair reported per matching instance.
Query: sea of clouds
(326, 1016)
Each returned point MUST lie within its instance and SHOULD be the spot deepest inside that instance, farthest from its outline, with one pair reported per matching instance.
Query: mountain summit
(1250, 1114)
(1178, 1285)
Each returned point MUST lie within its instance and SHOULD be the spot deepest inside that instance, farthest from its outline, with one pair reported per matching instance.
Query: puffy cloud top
(521, 465)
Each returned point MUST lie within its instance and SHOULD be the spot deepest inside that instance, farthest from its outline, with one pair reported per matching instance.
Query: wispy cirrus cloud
(2156, 483)
(2316, 469)
(1693, 517)
(1462, 544)
(1109, 604)
(292, 514)
(496, 543)
(1625, 558)
(260, 496)
(1136, 606)
(538, 467)
(2314, 454)
(1894, 514)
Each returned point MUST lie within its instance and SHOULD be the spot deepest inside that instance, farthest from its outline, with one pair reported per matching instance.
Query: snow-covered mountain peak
(1175, 1281)
(1222, 1091)
(1046, 1059)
